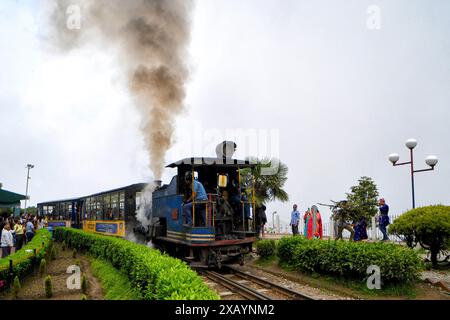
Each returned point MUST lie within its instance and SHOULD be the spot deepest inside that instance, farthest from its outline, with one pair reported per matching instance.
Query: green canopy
(10, 199)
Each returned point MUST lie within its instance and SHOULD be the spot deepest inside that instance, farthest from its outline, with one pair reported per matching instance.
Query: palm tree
(267, 187)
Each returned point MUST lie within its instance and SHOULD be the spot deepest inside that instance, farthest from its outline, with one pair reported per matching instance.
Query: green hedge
(23, 260)
(350, 259)
(266, 248)
(154, 275)
(115, 284)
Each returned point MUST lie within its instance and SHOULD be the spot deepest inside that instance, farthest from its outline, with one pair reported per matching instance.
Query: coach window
(122, 206)
(88, 209)
(69, 211)
(107, 207)
(98, 208)
(115, 206)
(59, 209)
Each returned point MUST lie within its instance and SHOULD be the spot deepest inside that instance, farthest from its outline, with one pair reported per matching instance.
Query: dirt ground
(423, 291)
(33, 286)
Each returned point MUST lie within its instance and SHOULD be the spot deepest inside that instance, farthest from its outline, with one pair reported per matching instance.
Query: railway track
(252, 287)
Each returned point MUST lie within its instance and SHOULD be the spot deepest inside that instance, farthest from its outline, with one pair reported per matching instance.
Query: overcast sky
(336, 95)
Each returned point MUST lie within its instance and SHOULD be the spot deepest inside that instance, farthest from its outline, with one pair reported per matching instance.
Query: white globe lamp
(431, 161)
(411, 143)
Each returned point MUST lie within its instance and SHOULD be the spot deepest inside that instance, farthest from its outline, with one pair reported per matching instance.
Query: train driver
(199, 194)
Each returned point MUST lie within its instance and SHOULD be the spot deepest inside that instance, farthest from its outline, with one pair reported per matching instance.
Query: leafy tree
(363, 199)
(428, 226)
(267, 187)
(30, 210)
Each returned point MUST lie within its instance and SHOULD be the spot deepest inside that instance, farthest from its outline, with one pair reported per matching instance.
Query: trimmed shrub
(53, 253)
(48, 287)
(428, 226)
(23, 259)
(266, 248)
(154, 275)
(350, 259)
(16, 287)
(42, 267)
(115, 284)
(84, 284)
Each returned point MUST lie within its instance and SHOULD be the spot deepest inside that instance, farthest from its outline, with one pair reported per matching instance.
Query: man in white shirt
(6, 241)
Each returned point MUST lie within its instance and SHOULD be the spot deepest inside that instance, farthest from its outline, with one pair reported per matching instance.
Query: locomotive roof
(220, 162)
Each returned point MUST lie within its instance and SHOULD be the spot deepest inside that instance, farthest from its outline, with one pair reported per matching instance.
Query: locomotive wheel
(241, 260)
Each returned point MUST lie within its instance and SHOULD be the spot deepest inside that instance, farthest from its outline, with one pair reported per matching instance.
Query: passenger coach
(111, 212)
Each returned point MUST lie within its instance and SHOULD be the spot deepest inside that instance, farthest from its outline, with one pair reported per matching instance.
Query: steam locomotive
(223, 225)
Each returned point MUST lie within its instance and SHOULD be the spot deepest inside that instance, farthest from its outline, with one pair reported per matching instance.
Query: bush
(154, 275)
(42, 267)
(48, 287)
(63, 246)
(78, 263)
(16, 287)
(53, 253)
(23, 259)
(266, 248)
(350, 259)
(84, 284)
(83, 297)
(115, 284)
(74, 253)
(428, 226)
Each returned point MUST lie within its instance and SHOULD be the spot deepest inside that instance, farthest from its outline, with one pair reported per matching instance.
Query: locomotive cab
(222, 226)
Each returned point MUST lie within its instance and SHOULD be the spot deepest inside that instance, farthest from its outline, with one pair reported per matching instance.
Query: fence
(328, 230)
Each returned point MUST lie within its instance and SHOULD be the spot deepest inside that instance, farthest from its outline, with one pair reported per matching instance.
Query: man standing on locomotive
(199, 194)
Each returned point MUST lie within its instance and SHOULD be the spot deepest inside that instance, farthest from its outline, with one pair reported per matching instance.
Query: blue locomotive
(222, 227)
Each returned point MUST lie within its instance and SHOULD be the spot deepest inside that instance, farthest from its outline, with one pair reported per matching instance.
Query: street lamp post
(29, 167)
(273, 219)
(430, 160)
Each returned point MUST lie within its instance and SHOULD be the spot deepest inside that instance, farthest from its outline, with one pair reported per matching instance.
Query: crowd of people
(16, 232)
(357, 228)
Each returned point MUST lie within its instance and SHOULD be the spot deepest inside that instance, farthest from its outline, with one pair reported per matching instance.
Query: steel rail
(244, 291)
(270, 285)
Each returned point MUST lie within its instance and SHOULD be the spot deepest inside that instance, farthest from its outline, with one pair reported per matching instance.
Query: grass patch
(115, 284)
(266, 261)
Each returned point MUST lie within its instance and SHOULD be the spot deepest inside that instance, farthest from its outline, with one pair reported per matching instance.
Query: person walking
(18, 228)
(29, 229)
(295, 219)
(7, 241)
(383, 218)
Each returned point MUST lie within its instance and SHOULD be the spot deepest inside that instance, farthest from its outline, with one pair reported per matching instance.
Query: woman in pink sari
(313, 224)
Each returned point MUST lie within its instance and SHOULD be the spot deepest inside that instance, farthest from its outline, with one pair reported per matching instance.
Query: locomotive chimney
(158, 184)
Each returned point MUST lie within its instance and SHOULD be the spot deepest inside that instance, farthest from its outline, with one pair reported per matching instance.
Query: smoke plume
(149, 39)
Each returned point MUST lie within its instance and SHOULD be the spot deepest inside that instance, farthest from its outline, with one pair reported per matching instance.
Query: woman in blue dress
(360, 229)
